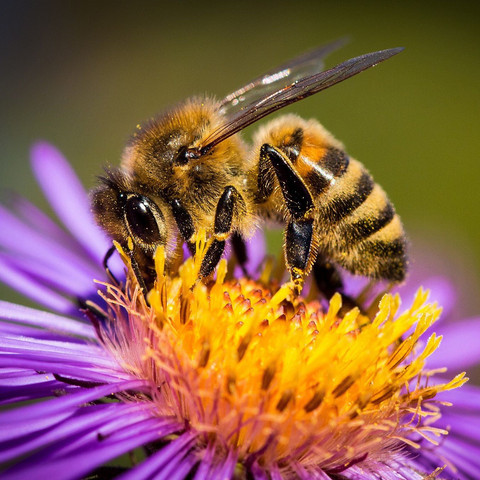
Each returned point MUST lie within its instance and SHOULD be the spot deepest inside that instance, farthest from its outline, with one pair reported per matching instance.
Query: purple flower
(188, 398)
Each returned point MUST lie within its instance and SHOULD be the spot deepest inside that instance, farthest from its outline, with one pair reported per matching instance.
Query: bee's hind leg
(299, 245)
(240, 251)
(329, 281)
(327, 278)
(228, 203)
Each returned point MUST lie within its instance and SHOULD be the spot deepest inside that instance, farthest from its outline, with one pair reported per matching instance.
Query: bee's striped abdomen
(366, 234)
(332, 165)
(355, 224)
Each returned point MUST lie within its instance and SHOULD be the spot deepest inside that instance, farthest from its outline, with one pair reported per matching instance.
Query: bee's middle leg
(299, 251)
(228, 203)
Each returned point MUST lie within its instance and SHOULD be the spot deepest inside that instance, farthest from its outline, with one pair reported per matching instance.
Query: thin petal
(33, 416)
(256, 250)
(26, 241)
(164, 463)
(76, 284)
(81, 462)
(39, 318)
(460, 347)
(67, 197)
(32, 289)
(46, 227)
(465, 399)
(441, 289)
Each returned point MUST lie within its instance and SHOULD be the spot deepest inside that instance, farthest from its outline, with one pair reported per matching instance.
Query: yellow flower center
(263, 372)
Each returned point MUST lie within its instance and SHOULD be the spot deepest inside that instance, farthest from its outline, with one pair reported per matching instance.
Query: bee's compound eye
(141, 220)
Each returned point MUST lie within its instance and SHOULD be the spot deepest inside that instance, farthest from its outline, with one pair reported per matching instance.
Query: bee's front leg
(184, 223)
(228, 203)
(299, 248)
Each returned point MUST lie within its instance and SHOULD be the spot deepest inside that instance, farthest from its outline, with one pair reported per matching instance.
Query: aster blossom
(234, 379)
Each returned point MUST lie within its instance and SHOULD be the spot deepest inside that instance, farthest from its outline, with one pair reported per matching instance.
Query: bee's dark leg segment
(137, 272)
(266, 176)
(299, 202)
(328, 281)
(106, 258)
(212, 257)
(297, 197)
(298, 246)
(326, 277)
(240, 251)
(222, 229)
(184, 223)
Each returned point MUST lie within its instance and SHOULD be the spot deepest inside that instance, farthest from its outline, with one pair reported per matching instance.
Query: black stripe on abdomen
(340, 207)
(335, 161)
(332, 165)
(365, 227)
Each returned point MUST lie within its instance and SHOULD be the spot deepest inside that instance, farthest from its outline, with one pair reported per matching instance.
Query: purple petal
(467, 426)
(460, 346)
(466, 399)
(81, 462)
(83, 419)
(36, 417)
(27, 286)
(76, 284)
(256, 251)
(120, 425)
(226, 470)
(441, 290)
(164, 463)
(76, 370)
(45, 226)
(55, 350)
(258, 473)
(26, 241)
(67, 197)
(24, 330)
(428, 459)
(23, 393)
(23, 378)
(50, 321)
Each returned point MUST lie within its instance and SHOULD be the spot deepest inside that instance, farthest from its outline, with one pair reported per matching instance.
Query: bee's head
(125, 213)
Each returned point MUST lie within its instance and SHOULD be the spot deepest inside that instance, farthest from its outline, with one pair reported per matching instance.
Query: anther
(242, 348)
(314, 402)
(287, 395)
(268, 375)
(343, 386)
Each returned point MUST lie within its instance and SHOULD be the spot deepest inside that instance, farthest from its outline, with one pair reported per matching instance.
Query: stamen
(255, 369)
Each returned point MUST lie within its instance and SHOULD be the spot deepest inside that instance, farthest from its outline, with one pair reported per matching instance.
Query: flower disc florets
(273, 381)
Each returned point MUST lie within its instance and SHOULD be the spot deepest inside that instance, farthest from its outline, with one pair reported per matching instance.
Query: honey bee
(189, 169)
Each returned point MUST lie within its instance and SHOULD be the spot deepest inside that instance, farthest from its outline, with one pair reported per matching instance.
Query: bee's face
(124, 213)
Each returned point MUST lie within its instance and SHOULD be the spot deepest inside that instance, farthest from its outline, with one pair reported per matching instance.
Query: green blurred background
(83, 74)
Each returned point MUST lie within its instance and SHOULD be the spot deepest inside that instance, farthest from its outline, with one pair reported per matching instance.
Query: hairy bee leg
(184, 223)
(240, 251)
(138, 273)
(299, 202)
(326, 277)
(298, 247)
(328, 281)
(298, 198)
(106, 258)
(222, 229)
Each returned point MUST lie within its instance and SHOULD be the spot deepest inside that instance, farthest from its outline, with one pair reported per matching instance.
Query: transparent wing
(299, 67)
(293, 92)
